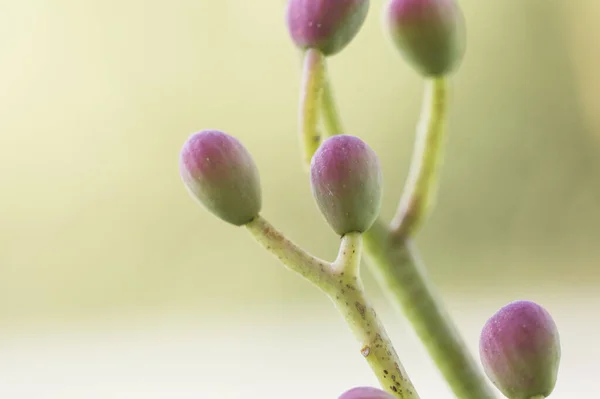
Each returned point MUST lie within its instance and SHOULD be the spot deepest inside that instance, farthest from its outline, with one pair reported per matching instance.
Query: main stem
(341, 282)
(402, 276)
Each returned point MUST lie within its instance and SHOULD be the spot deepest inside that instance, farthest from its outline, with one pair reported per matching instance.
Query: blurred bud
(365, 393)
(346, 183)
(325, 25)
(220, 173)
(429, 33)
(520, 350)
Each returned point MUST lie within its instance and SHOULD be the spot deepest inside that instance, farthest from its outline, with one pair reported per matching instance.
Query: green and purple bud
(325, 25)
(219, 172)
(365, 393)
(520, 350)
(346, 182)
(430, 34)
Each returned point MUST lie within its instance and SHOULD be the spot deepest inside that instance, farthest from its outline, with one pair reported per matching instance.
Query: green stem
(341, 282)
(538, 397)
(310, 100)
(419, 191)
(376, 346)
(331, 117)
(315, 270)
(401, 274)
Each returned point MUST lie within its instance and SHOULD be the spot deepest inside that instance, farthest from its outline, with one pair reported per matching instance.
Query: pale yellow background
(115, 284)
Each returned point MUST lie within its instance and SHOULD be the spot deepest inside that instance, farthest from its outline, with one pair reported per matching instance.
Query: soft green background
(97, 230)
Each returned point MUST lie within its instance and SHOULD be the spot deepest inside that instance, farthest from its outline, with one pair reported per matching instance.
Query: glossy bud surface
(219, 172)
(430, 34)
(346, 183)
(325, 25)
(365, 393)
(520, 350)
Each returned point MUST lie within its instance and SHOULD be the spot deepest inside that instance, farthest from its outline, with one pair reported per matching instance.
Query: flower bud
(520, 350)
(220, 173)
(346, 182)
(429, 33)
(365, 393)
(325, 25)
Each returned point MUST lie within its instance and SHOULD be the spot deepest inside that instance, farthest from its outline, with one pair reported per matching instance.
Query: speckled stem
(341, 282)
(313, 76)
(419, 192)
(401, 275)
(376, 346)
(331, 117)
(292, 256)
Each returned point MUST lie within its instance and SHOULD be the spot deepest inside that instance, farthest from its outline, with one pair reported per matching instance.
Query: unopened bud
(346, 182)
(520, 350)
(430, 34)
(220, 173)
(325, 25)
(365, 393)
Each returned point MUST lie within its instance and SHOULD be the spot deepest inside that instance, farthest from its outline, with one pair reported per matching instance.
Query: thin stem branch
(419, 191)
(402, 277)
(341, 282)
(331, 116)
(349, 254)
(313, 76)
(291, 255)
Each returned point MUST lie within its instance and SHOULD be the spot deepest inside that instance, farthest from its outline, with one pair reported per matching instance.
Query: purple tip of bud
(346, 182)
(365, 393)
(220, 173)
(429, 33)
(520, 350)
(326, 25)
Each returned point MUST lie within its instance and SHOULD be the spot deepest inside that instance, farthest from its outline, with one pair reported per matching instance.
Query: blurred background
(114, 283)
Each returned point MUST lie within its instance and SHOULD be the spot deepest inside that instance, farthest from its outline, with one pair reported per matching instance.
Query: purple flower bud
(429, 33)
(346, 182)
(220, 173)
(365, 393)
(325, 25)
(520, 350)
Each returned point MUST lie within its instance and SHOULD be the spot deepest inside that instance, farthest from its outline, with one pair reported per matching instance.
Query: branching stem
(340, 280)
(419, 192)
